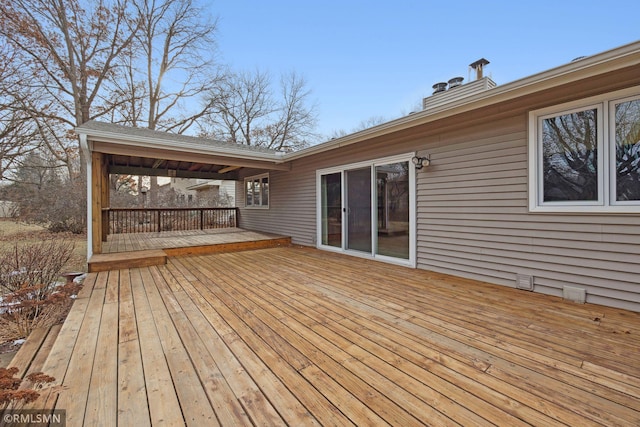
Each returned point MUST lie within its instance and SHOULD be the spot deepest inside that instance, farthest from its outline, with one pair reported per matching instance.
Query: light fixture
(420, 162)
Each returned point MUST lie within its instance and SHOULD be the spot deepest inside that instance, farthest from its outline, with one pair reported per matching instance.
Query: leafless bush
(31, 297)
(15, 392)
(55, 203)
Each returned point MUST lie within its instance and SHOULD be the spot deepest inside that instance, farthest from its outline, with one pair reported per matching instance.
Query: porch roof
(139, 151)
(132, 142)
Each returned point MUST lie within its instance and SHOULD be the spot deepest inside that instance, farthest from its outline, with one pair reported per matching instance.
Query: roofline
(169, 144)
(590, 66)
(597, 64)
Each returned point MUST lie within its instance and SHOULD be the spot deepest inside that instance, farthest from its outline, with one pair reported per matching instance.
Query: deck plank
(288, 331)
(269, 383)
(40, 358)
(336, 364)
(194, 403)
(308, 396)
(28, 351)
(58, 357)
(102, 399)
(513, 355)
(297, 336)
(244, 387)
(162, 399)
(73, 397)
(133, 409)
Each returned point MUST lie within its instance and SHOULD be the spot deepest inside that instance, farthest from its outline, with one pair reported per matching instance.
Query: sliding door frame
(371, 164)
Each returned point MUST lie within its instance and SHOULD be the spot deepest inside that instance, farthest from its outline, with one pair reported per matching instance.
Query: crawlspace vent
(574, 294)
(524, 281)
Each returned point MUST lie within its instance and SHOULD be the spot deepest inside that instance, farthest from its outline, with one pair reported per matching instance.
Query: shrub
(59, 205)
(31, 296)
(15, 392)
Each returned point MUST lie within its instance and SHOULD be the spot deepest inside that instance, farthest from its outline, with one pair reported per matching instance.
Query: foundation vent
(574, 294)
(524, 281)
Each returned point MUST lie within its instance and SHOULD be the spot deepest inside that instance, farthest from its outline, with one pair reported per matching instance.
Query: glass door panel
(392, 195)
(358, 209)
(331, 209)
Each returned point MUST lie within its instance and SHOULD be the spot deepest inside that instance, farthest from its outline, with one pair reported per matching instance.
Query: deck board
(176, 242)
(296, 336)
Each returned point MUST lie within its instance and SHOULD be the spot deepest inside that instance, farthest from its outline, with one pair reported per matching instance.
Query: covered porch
(112, 149)
(297, 336)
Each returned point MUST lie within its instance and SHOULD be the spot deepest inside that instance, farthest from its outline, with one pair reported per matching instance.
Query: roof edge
(162, 142)
(589, 66)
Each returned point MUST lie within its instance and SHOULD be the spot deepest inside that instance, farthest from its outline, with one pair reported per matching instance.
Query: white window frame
(606, 203)
(261, 204)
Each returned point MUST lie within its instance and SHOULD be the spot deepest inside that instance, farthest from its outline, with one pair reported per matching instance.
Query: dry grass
(12, 231)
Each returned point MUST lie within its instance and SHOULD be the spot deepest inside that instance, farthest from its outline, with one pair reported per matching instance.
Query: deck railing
(144, 220)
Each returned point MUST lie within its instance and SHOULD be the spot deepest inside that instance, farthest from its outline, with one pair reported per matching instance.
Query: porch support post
(96, 201)
(104, 194)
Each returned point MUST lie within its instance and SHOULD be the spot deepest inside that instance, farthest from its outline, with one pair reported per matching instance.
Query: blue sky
(364, 59)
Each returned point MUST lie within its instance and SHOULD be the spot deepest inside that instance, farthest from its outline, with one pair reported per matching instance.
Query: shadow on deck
(148, 249)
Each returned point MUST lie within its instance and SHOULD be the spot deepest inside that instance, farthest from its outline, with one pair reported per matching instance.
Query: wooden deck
(296, 336)
(129, 242)
(148, 249)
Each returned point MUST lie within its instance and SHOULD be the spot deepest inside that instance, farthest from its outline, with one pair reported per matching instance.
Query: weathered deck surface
(296, 336)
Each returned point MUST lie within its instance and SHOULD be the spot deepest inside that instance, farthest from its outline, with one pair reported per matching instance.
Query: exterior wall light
(420, 162)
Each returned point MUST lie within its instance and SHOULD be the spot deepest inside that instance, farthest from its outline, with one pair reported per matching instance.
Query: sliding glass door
(358, 209)
(331, 209)
(392, 185)
(367, 209)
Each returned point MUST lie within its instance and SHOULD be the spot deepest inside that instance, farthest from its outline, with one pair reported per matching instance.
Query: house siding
(291, 207)
(472, 208)
(473, 221)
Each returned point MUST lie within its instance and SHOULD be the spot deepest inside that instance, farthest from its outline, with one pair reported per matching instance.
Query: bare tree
(293, 128)
(245, 111)
(68, 51)
(364, 124)
(169, 63)
(18, 137)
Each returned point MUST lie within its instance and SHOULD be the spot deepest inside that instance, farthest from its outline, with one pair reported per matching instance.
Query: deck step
(119, 260)
(147, 258)
(30, 358)
(229, 247)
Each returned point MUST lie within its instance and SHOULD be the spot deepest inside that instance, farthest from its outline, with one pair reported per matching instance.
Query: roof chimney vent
(439, 87)
(455, 82)
(478, 66)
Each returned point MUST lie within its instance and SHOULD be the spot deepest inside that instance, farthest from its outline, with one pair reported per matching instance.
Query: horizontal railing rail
(145, 220)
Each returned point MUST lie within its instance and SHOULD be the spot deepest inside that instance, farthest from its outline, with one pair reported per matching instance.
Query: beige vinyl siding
(292, 204)
(472, 206)
(472, 215)
(473, 221)
(291, 207)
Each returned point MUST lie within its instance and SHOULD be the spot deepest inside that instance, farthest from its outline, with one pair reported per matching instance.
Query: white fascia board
(624, 56)
(173, 145)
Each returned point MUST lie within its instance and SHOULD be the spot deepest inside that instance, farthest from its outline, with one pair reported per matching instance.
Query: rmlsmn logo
(55, 418)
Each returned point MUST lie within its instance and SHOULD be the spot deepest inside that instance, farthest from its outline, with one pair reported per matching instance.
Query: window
(257, 191)
(585, 156)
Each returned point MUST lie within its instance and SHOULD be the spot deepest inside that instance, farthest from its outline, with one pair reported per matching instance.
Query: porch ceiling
(136, 165)
(138, 151)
